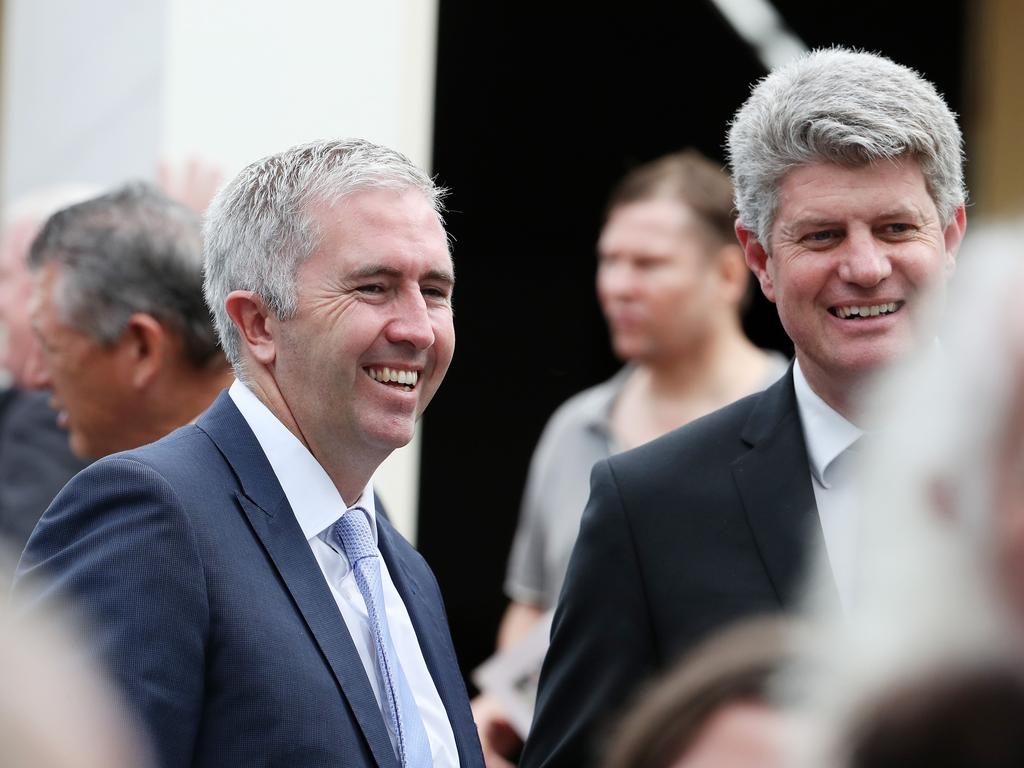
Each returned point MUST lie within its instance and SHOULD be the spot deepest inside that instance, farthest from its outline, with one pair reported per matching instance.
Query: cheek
(444, 342)
(608, 286)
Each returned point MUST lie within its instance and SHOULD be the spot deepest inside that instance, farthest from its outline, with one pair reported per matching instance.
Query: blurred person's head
(56, 708)
(19, 352)
(960, 717)
(965, 716)
(939, 573)
(329, 275)
(129, 349)
(670, 273)
(715, 708)
(850, 200)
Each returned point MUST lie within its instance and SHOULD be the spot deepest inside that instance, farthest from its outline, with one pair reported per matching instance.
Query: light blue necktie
(352, 531)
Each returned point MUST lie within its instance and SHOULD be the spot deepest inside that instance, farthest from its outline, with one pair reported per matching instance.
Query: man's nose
(865, 261)
(411, 323)
(617, 280)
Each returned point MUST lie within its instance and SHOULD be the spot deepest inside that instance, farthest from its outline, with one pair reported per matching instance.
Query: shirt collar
(596, 411)
(314, 499)
(826, 432)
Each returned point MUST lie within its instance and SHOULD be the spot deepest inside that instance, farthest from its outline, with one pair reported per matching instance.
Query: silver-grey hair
(846, 107)
(261, 227)
(130, 250)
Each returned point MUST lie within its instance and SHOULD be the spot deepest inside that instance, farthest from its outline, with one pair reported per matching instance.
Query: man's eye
(371, 288)
(821, 237)
(899, 228)
(435, 293)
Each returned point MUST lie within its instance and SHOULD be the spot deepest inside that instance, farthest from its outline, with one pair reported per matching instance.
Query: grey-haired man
(240, 584)
(849, 188)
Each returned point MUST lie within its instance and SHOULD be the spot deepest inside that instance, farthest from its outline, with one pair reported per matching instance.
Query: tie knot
(354, 534)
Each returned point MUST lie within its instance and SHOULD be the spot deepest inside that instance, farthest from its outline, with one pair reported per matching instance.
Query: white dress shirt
(317, 506)
(828, 435)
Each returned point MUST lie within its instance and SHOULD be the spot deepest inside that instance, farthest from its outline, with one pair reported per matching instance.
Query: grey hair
(846, 107)
(130, 250)
(260, 228)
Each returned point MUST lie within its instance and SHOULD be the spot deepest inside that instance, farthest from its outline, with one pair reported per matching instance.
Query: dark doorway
(540, 108)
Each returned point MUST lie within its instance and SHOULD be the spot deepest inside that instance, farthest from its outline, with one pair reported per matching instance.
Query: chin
(393, 437)
(628, 350)
(80, 447)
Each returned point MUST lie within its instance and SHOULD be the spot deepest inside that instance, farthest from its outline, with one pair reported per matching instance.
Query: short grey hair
(130, 250)
(846, 107)
(261, 227)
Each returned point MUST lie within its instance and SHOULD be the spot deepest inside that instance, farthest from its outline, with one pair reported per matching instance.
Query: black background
(540, 108)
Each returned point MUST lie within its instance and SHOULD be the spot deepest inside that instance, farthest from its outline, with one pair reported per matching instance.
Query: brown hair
(689, 178)
(734, 665)
(952, 719)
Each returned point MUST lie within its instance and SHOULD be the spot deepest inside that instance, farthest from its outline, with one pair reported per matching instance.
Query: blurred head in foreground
(56, 711)
(715, 707)
(940, 571)
(968, 717)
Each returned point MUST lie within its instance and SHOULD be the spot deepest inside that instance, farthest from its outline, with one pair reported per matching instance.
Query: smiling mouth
(865, 310)
(394, 377)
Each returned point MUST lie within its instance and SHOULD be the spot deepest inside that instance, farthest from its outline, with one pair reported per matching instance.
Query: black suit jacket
(681, 536)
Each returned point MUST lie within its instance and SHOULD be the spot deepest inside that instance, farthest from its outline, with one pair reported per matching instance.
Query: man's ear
(143, 346)
(733, 272)
(757, 259)
(953, 236)
(252, 319)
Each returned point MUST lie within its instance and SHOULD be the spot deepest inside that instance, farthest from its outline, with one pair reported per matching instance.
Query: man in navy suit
(209, 565)
(849, 187)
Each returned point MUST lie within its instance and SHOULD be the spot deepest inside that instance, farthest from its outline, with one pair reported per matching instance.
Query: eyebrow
(899, 212)
(380, 270)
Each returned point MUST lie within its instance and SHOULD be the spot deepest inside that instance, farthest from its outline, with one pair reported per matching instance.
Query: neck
(182, 397)
(662, 396)
(724, 363)
(843, 397)
(349, 470)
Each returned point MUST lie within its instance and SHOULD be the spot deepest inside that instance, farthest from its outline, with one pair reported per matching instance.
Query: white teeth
(865, 311)
(384, 375)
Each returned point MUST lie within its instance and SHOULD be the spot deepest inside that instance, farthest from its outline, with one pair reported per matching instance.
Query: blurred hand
(194, 183)
(501, 744)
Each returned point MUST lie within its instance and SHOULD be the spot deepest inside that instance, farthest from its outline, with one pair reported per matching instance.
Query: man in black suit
(849, 188)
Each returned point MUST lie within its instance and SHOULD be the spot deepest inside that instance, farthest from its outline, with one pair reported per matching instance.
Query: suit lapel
(431, 627)
(774, 481)
(270, 516)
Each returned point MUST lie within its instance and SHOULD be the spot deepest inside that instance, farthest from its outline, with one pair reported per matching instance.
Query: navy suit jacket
(685, 534)
(208, 607)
